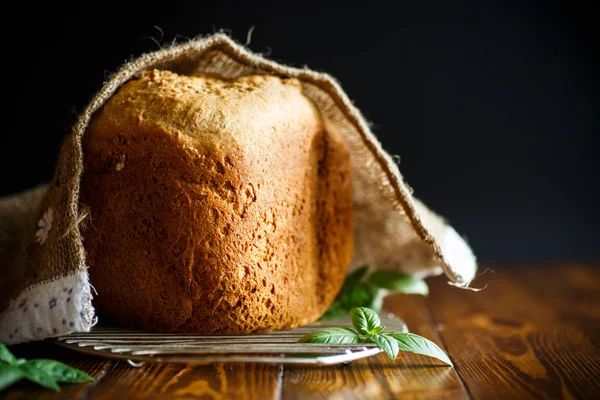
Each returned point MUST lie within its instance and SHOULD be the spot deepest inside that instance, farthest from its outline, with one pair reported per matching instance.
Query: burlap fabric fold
(44, 288)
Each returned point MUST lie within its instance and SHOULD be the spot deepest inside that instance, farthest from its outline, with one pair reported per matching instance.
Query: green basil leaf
(331, 336)
(376, 302)
(419, 345)
(61, 372)
(399, 282)
(364, 320)
(38, 376)
(387, 344)
(378, 329)
(355, 293)
(355, 277)
(335, 311)
(362, 295)
(6, 355)
(9, 374)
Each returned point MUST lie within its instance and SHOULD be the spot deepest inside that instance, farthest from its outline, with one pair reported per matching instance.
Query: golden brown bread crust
(217, 206)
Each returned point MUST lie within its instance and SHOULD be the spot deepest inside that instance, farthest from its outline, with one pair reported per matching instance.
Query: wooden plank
(412, 377)
(574, 293)
(512, 341)
(178, 381)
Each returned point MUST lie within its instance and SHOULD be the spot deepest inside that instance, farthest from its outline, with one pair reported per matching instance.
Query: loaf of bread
(216, 206)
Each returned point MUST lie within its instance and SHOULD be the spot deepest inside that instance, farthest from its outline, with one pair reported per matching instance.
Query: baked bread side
(217, 206)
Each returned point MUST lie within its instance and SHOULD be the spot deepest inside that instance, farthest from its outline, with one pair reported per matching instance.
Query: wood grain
(174, 381)
(532, 333)
(512, 340)
(573, 292)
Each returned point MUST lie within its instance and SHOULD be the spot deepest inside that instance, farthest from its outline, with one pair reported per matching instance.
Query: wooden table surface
(534, 332)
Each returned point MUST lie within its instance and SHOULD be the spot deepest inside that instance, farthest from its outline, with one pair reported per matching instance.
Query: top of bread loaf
(224, 110)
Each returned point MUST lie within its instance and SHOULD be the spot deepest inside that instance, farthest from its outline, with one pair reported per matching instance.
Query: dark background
(492, 108)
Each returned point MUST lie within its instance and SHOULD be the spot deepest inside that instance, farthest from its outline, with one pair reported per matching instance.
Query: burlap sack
(44, 288)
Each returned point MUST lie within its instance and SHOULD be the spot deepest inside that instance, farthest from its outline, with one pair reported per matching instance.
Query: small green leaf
(387, 344)
(361, 295)
(364, 320)
(38, 376)
(354, 293)
(399, 282)
(6, 355)
(9, 374)
(331, 336)
(377, 302)
(335, 311)
(378, 329)
(355, 277)
(419, 345)
(61, 372)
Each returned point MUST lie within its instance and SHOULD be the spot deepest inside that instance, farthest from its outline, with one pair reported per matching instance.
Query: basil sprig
(46, 373)
(360, 290)
(370, 330)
